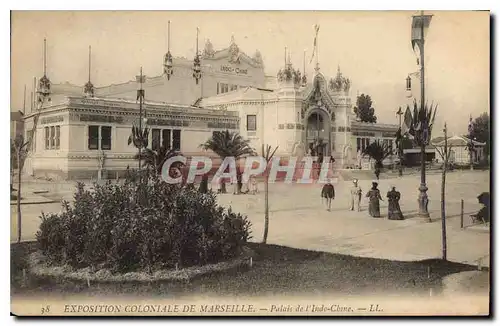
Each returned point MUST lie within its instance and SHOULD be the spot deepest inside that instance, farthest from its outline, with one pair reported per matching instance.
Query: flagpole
(317, 50)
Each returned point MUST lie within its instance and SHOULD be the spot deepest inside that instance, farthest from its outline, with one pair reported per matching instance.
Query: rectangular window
(176, 140)
(166, 138)
(93, 137)
(52, 137)
(106, 138)
(251, 122)
(58, 137)
(47, 138)
(155, 145)
(358, 144)
(390, 145)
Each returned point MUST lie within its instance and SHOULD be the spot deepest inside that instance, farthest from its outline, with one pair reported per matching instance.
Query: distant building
(459, 153)
(80, 124)
(16, 124)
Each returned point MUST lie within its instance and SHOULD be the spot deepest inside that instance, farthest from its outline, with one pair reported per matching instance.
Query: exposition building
(80, 129)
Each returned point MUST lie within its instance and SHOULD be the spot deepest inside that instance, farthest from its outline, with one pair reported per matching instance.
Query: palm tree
(139, 137)
(154, 159)
(419, 127)
(228, 144)
(377, 152)
(21, 150)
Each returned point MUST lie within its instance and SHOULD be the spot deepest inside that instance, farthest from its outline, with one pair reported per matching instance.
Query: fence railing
(468, 220)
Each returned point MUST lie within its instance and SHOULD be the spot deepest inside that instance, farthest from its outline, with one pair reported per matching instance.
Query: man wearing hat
(328, 193)
(355, 196)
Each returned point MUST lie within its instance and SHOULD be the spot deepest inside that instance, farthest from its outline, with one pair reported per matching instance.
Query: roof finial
(88, 89)
(90, 60)
(285, 56)
(44, 57)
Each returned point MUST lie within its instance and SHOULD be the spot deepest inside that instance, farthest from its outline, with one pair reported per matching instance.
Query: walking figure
(356, 196)
(252, 185)
(393, 197)
(328, 193)
(377, 171)
(374, 196)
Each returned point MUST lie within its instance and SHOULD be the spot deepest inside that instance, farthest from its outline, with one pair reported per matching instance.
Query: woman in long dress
(374, 196)
(394, 211)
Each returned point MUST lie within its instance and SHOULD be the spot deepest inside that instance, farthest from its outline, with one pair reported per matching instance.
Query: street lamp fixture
(44, 83)
(167, 62)
(197, 61)
(408, 83)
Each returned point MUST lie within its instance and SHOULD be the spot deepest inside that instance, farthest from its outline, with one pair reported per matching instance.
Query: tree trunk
(266, 209)
(443, 193)
(443, 211)
(19, 199)
(223, 186)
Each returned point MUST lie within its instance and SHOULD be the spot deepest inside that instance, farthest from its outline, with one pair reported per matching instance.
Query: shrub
(143, 224)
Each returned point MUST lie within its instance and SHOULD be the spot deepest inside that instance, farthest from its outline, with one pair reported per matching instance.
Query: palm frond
(228, 144)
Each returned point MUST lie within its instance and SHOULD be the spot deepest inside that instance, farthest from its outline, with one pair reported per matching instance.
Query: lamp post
(400, 136)
(419, 23)
(140, 96)
(197, 61)
(167, 63)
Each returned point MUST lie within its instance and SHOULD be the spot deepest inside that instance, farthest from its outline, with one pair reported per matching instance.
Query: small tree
(481, 131)
(21, 149)
(268, 156)
(444, 151)
(154, 159)
(364, 110)
(418, 126)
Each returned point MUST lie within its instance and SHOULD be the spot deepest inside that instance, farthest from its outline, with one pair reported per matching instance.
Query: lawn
(276, 270)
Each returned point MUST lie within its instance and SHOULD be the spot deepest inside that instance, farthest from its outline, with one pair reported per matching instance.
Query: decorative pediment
(232, 54)
(319, 97)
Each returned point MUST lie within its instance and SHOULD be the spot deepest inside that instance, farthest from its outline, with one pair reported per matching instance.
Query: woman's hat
(355, 181)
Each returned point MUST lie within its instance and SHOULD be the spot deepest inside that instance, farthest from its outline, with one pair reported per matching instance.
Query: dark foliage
(143, 224)
(228, 144)
(481, 131)
(378, 152)
(364, 110)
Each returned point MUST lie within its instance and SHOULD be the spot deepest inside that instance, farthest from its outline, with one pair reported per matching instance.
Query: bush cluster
(142, 224)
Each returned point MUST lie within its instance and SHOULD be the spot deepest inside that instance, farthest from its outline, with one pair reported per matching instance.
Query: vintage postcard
(250, 163)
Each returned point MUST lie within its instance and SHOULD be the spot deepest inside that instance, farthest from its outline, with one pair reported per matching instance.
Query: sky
(372, 48)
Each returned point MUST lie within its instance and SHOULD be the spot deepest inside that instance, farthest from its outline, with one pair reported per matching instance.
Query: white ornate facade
(84, 127)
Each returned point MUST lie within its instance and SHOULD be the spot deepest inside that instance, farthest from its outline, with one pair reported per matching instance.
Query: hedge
(143, 224)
